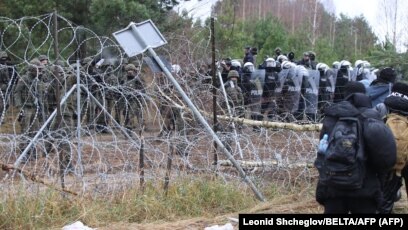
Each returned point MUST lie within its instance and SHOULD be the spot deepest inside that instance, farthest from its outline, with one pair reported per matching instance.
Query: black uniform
(368, 198)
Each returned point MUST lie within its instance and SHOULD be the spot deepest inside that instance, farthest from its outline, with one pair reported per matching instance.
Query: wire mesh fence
(124, 130)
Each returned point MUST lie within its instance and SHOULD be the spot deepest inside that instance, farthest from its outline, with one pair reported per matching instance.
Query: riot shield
(291, 89)
(331, 75)
(327, 85)
(341, 81)
(282, 75)
(349, 74)
(270, 84)
(310, 89)
(246, 87)
(353, 74)
(257, 82)
(258, 75)
(268, 95)
(280, 89)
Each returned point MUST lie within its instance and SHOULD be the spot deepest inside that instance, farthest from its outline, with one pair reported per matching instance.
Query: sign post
(132, 41)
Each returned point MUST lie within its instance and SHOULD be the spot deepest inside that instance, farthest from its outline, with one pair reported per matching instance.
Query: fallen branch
(33, 177)
(253, 164)
(271, 124)
(265, 124)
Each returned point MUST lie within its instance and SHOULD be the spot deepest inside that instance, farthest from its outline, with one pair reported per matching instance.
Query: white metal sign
(130, 40)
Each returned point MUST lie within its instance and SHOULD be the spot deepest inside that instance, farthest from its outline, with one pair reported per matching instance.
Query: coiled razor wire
(110, 161)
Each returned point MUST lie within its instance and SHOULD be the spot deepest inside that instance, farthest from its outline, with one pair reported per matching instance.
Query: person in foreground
(394, 111)
(355, 150)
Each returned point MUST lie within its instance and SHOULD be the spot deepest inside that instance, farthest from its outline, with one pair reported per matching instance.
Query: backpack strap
(359, 120)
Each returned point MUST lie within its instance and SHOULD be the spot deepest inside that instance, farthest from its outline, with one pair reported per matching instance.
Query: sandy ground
(286, 205)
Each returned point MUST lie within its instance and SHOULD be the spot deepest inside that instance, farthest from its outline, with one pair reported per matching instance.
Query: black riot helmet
(291, 56)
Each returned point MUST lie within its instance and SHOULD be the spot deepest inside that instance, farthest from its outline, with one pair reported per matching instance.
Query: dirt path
(289, 204)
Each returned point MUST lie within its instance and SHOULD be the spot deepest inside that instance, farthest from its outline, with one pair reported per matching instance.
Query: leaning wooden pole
(214, 89)
(61, 154)
(168, 169)
(141, 162)
(56, 48)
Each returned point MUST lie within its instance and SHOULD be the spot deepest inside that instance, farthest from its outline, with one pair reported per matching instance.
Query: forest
(295, 25)
(122, 155)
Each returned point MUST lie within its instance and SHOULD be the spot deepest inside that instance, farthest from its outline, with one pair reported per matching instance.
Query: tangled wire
(119, 131)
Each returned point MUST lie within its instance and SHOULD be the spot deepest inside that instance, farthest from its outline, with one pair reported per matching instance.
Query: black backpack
(343, 164)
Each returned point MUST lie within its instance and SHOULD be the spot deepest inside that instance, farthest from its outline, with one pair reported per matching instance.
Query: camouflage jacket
(235, 95)
(4, 77)
(134, 87)
(29, 92)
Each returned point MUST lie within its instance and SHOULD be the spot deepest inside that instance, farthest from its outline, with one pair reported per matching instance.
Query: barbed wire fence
(106, 154)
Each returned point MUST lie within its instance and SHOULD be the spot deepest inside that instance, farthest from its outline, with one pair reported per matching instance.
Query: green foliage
(325, 51)
(385, 55)
(337, 38)
(232, 37)
(21, 8)
(354, 38)
(103, 16)
(269, 33)
(229, 32)
(298, 43)
(109, 16)
(343, 40)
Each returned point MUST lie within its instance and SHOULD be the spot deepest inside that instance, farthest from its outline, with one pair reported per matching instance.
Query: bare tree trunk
(265, 9)
(355, 30)
(334, 31)
(384, 17)
(331, 32)
(253, 165)
(331, 9)
(141, 163)
(293, 19)
(270, 124)
(394, 29)
(314, 25)
(168, 169)
(259, 9)
(243, 10)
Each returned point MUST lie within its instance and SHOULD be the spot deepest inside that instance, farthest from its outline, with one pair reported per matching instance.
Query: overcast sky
(353, 8)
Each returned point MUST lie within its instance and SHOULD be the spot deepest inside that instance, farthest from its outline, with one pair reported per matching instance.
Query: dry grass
(9, 124)
(185, 199)
(191, 203)
(289, 202)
